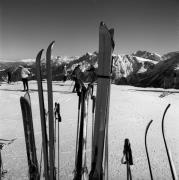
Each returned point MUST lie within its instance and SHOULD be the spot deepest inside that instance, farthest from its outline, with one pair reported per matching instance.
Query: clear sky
(26, 26)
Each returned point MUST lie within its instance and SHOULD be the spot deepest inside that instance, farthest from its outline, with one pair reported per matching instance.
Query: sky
(27, 26)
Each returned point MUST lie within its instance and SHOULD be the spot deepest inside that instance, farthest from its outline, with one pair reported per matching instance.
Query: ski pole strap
(57, 112)
(127, 152)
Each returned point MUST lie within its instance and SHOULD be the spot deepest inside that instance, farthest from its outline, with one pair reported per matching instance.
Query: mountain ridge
(126, 69)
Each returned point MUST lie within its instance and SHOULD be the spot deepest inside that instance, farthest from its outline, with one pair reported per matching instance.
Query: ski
(146, 149)
(170, 160)
(29, 137)
(81, 171)
(42, 115)
(50, 112)
(106, 46)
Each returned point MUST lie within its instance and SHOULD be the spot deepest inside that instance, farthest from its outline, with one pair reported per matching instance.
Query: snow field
(131, 109)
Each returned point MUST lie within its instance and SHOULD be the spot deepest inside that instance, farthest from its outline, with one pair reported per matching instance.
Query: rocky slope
(164, 74)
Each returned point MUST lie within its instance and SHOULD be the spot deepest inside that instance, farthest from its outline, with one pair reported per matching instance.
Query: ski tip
(149, 123)
(168, 106)
(27, 94)
(38, 57)
(48, 52)
(51, 45)
(102, 23)
(164, 115)
(24, 100)
(110, 32)
(147, 127)
(166, 109)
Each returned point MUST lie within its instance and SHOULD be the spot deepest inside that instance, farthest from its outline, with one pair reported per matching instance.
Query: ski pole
(171, 164)
(0, 161)
(127, 154)
(40, 168)
(59, 120)
(58, 152)
(78, 124)
(148, 125)
(106, 155)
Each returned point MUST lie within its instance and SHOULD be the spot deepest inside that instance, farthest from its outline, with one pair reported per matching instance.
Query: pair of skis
(171, 163)
(99, 160)
(48, 146)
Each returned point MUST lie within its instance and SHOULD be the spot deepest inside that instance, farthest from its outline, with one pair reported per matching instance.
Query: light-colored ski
(106, 46)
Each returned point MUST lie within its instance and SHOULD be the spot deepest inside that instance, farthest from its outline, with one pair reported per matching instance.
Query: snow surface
(140, 59)
(131, 109)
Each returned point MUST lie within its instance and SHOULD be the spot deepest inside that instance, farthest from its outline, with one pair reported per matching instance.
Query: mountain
(148, 55)
(141, 68)
(169, 55)
(164, 74)
(125, 65)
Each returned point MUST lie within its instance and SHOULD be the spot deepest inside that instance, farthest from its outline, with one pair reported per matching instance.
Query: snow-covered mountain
(127, 69)
(148, 55)
(164, 74)
(169, 55)
(125, 65)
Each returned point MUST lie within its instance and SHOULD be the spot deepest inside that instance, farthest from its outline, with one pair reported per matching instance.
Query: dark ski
(42, 115)
(29, 137)
(171, 164)
(146, 148)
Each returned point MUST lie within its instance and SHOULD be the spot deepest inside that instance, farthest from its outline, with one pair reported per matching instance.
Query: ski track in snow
(131, 109)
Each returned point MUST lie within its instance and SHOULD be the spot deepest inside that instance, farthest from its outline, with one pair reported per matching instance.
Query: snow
(145, 60)
(157, 55)
(131, 109)
(27, 60)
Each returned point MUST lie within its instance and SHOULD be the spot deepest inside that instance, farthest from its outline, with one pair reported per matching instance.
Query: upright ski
(29, 137)
(170, 160)
(50, 112)
(81, 172)
(42, 115)
(106, 46)
(146, 149)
